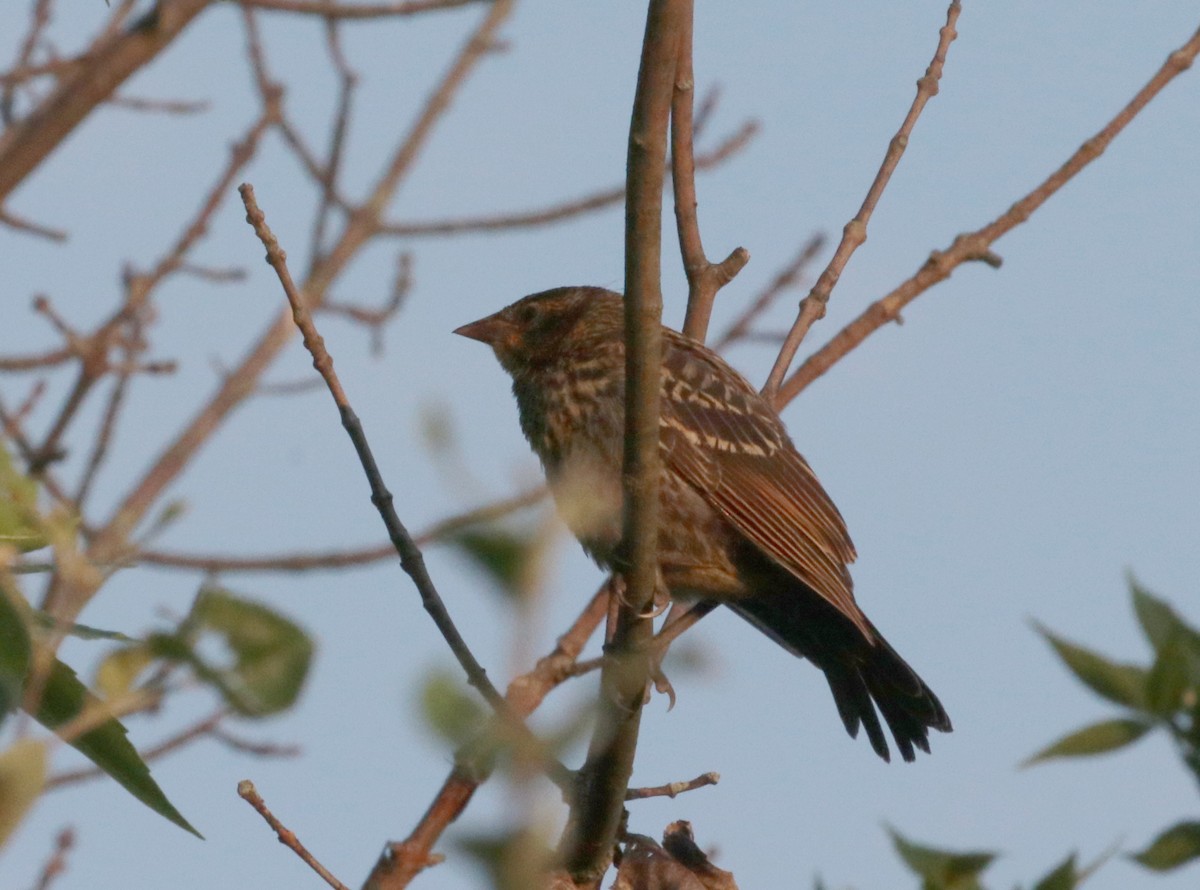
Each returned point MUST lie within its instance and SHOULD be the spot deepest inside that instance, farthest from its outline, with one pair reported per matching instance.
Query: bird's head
(544, 327)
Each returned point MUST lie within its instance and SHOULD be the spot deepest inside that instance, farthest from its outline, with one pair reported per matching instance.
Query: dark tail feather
(863, 675)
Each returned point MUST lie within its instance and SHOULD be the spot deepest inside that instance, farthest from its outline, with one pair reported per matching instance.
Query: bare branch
(730, 146)
(287, 837)
(786, 277)
(673, 789)
(27, 143)
(57, 863)
(179, 740)
(375, 319)
(110, 541)
(704, 278)
(337, 139)
(161, 106)
(116, 400)
(39, 20)
(303, 562)
(411, 559)
(24, 363)
(977, 245)
(24, 225)
(854, 234)
(329, 9)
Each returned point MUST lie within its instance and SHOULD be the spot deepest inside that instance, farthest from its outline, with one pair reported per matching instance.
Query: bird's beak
(490, 330)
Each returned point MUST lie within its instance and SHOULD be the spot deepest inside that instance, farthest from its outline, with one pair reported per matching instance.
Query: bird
(743, 520)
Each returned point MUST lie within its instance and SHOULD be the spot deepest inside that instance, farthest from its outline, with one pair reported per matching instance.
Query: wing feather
(724, 439)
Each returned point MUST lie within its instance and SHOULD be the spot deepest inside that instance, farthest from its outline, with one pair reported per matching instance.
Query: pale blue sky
(1027, 437)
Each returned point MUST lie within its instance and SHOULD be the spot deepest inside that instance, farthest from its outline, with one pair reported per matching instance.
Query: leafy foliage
(65, 698)
(268, 658)
(271, 654)
(18, 502)
(16, 649)
(451, 710)
(1176, 846)
(504, 556)
(62, 699)
(22, 775)
(941, 869)
(1162, 696)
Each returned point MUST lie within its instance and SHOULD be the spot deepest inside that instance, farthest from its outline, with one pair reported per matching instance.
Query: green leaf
(1063, 877)
(18, 508)
(1164, 627)
(1099, 738)
(1176, 846)
(1158, 620)
(450, 710)
(515, 859)
(1124, 684)
(1168, 678)
(271, 654)
(119, 670)
(64, 698)
(503, 555)
(941, 869)
(15, 649)
(22, 775)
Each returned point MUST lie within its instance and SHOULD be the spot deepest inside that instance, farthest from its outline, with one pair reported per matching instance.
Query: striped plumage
(743, 520)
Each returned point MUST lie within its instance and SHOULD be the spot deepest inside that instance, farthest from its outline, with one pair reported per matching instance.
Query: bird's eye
(528, 314)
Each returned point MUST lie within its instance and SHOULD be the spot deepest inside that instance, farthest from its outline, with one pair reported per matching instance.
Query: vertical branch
(704, 278)
(596, 810)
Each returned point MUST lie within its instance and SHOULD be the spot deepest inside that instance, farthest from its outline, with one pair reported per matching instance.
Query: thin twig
(24, 225)
(786, 277)
(287, 837)
(329, 9)
(673, 789)
(186, 736)
(977, 245)
(374, 320)
(57, 863)
(39, 20)
(336, 559)
(111, 61)
(608, 197)
(812, 307)
(348, 82)
(255, 749)
(411, 558)
(23, 363)
(10, 423)
(704, 278)
(110, 541)
(161, 106)
(112, 409)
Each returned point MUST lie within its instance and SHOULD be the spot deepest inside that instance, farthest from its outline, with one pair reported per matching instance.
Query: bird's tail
(859, 671)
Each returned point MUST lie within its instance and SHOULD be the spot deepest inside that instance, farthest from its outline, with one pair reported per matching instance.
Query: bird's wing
(724, 440)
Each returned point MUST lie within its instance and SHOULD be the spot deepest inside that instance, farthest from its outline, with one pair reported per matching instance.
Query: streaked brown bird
(743, 519)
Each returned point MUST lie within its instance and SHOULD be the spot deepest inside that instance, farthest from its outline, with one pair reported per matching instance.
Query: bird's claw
(662, 685)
